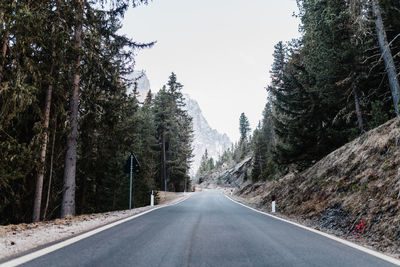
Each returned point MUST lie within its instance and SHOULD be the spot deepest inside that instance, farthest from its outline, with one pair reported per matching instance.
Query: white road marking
(47, 250)
(345, 242)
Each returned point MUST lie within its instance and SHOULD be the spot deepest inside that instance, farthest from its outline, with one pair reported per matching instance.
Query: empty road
(207, 230)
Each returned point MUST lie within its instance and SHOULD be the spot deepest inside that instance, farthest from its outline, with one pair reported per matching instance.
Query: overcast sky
(221, 51)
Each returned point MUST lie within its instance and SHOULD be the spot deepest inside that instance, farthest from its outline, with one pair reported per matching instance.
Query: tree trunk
(68, 199)
(50, 173)
(4, 53)
(358, 110)
(387, 56)
(39, 183)
(39, 180)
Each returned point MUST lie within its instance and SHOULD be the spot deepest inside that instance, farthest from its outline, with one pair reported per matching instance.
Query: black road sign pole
(131, 165)
(130, 187)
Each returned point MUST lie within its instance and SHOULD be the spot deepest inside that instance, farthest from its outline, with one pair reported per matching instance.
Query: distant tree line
(67, 122)
(329, 86)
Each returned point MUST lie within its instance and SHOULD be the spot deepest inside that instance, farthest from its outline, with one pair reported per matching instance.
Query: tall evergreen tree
(68, 201)
(162, 115)
(109, 119)
(52, 43)
(244, 127)
(307, 100)
(263, 146)
(175, 134)
(387, 55)
(106, 49)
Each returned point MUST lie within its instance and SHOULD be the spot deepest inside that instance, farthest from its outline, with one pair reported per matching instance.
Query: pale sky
(220, 50)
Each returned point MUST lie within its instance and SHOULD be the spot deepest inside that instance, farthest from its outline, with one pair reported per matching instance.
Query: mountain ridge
(205, 137)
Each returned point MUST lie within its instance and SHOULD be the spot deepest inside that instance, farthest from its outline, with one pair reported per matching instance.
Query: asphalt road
(207, 230)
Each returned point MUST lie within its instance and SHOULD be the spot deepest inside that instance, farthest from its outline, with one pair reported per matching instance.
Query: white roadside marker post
(152, 198)
(273, 203)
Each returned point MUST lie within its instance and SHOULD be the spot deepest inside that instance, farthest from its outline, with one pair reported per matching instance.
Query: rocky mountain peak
(143, 84)
(205, 137)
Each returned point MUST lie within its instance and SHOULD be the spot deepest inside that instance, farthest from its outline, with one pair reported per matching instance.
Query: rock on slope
(359, 181)
(225, 176)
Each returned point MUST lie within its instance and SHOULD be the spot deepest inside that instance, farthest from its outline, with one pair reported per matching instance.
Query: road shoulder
(371, 251)
(22, 239)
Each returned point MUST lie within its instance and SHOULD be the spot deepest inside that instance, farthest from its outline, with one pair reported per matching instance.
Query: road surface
(208, 229)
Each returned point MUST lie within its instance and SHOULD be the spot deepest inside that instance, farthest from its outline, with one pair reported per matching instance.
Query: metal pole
(133, 193)
(165, 189)
(164, 166)
(130, 187)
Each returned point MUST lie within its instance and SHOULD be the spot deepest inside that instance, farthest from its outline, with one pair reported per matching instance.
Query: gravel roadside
(16, 239)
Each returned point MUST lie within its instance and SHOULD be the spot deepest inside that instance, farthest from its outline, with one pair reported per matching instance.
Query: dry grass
(168, 197)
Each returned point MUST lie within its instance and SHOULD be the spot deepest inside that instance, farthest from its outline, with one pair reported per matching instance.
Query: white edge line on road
(47, 250)
(345, 242)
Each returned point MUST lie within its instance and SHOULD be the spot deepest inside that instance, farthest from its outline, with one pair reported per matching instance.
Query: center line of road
(345, 242)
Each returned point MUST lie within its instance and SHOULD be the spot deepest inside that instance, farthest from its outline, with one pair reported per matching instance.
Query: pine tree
(244, 127)
(68, 201)
(387, 55)
(366, 79)
(206, 164)
(293, 117)
(180, 154)
(162, 116)
(110, 120)
(306, 95)
(51, 42)
(263, 147)
(175, 134)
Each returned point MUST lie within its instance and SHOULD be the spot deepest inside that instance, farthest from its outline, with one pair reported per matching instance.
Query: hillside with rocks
(231, 176)
(354, 192)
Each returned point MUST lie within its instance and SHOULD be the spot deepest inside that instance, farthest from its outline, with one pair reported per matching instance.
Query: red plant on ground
(359, 228)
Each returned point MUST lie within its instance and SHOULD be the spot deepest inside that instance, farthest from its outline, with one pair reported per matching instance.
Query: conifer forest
(331, 85)
(70, 115)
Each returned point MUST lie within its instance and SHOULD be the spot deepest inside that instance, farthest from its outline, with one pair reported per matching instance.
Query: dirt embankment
(354, 192)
